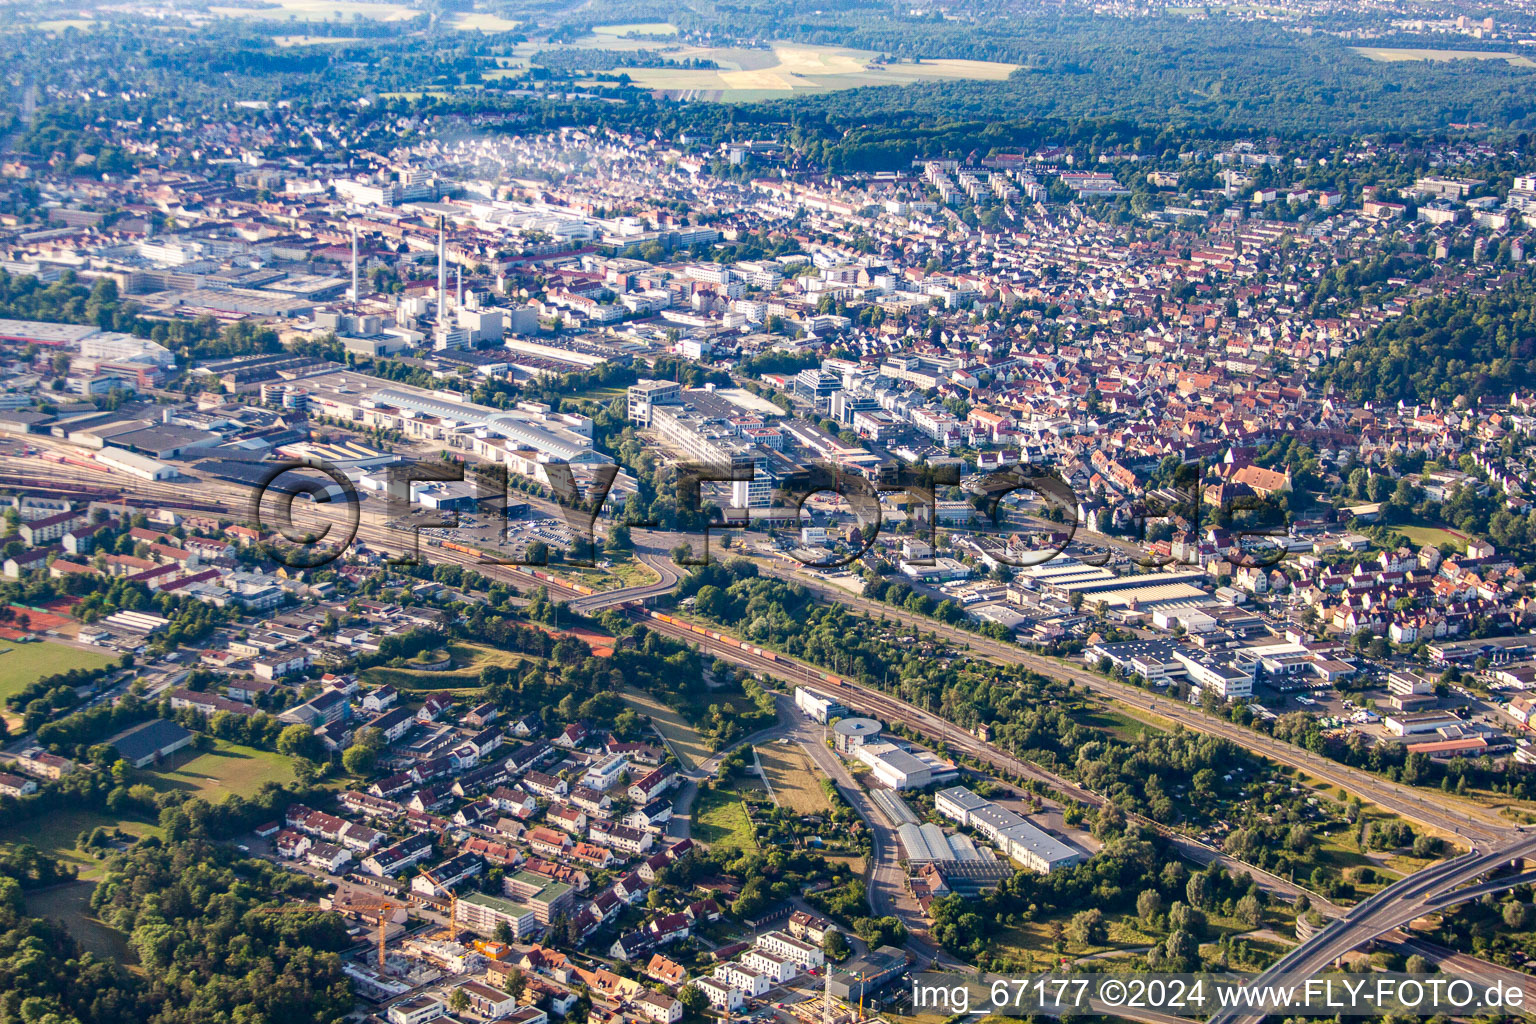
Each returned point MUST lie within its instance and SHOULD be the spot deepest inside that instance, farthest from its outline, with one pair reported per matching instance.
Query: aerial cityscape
(693, 513)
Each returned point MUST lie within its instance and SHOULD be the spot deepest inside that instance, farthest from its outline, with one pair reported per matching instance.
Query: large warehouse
(1010, 833)
(903, 769)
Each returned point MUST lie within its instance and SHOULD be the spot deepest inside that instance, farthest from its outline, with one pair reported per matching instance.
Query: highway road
(1435, 888)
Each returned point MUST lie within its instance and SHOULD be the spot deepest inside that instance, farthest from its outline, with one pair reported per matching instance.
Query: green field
(683, 738)
(720, 819)
(1117, 723)
(24, 664)
(216, 773)
(619, 576)
(468, 660)
(56, 833)
(1432, 535)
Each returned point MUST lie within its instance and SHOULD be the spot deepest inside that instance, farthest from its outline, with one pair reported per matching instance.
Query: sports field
(639, 28)
(794, 779)
(315, 40)
(24, 664)
(1432, 535)
(217, 773)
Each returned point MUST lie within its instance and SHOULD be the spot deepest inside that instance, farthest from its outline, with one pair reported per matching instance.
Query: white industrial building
(1010, 833)
(903, 769)
(141, 466)
(818, 705)
(1229, 678)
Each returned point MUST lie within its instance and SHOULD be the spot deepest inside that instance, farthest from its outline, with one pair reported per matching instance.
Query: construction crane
(382, 909)
(453, 904)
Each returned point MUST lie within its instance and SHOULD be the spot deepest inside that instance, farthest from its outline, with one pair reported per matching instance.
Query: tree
(1199, 890)
(1148, 905)
(835, 944)
(1183, 917)
(359, 760)
(1088, 927)
(1250, 911)
(503, 932)
(1418, 965)
(458, 1002)
(298, 741)
(713, 602)
(1182, 950)
(1517, 915)
(694, 1001)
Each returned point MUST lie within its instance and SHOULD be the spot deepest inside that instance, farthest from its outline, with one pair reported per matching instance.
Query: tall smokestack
(442, 270)
(355, 293)
(458, 276)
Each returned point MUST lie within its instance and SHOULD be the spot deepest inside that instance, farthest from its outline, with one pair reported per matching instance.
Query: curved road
(1435, 888)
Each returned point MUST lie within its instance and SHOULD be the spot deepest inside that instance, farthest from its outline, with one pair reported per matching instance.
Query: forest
(1464, 345)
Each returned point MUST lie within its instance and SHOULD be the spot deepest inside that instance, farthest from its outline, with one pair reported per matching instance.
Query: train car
(713, 635)
(462, 548)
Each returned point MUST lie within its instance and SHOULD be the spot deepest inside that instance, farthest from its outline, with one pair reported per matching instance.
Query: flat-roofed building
(817, 705)
(481, 913)
(1009, 832)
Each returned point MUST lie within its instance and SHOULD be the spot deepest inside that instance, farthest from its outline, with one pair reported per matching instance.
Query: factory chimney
(458, 274)
(442, 270)
(355, 293)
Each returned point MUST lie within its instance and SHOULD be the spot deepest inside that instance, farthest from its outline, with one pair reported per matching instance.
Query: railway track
(1467, 821)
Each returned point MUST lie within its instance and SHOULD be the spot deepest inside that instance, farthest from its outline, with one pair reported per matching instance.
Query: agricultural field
(683, 738)
(484, 21)
(720, 818)
(642, 28)
(793, 779)
(24, 664)
(288, 41)
(214, 774)
(785, 69)
(468, 660)
(1384, 53)
(320, 10)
